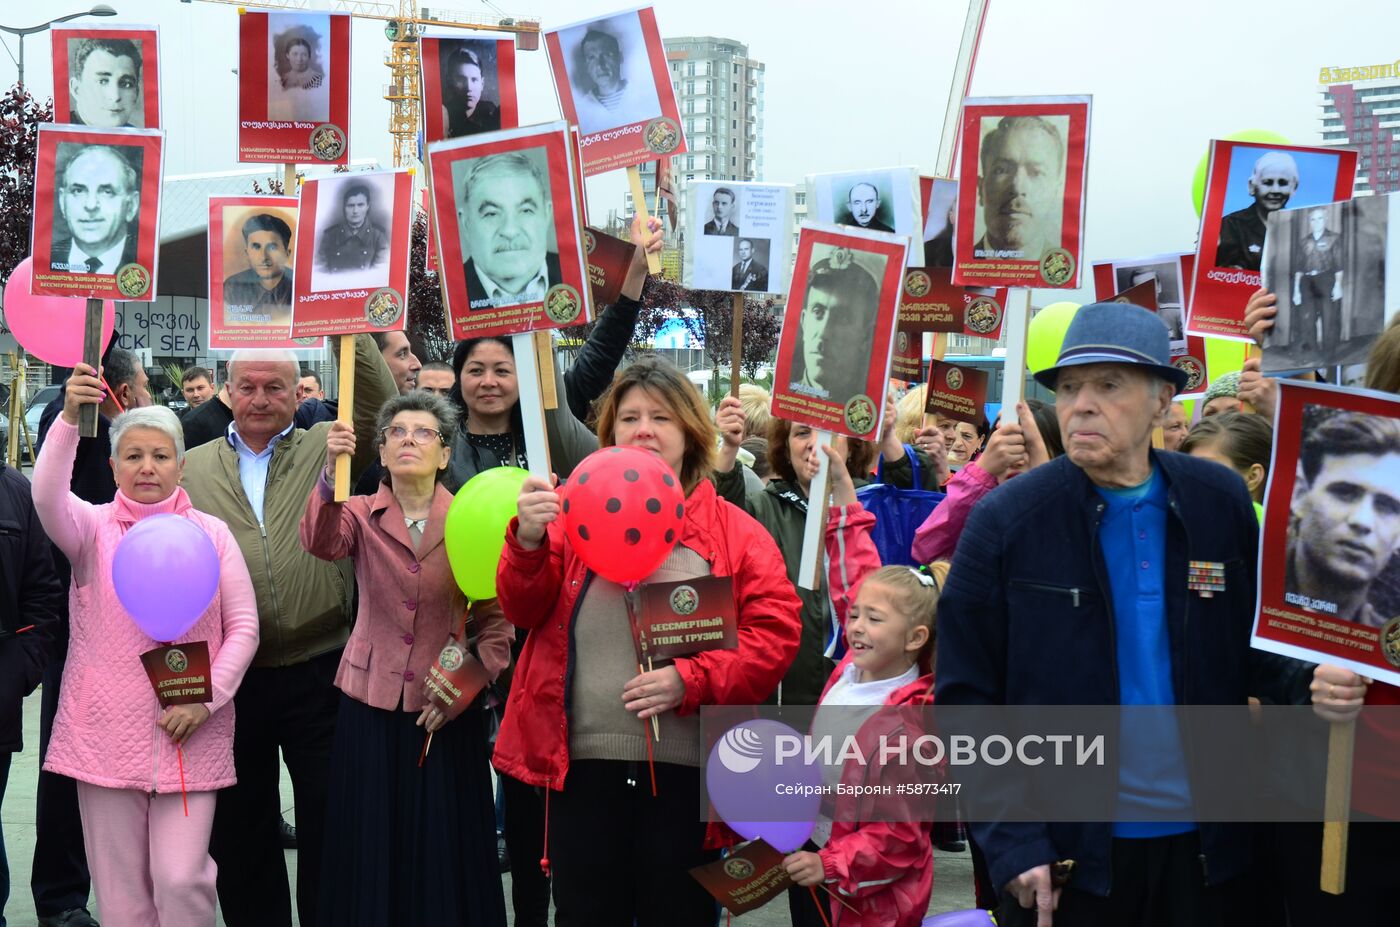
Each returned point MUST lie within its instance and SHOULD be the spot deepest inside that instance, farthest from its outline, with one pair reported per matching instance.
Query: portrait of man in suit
(722, 206)
(99, 198)
(1020, 178)
(506, 215)
(863, 208)
(104, 82)
(750, 273)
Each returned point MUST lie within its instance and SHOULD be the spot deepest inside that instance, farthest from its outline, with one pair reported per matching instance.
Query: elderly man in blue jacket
(1095, 607)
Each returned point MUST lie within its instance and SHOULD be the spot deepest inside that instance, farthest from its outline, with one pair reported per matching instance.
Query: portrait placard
(1327, 590)
(1245, 182)
(1021, 223)
(682, 618)
(879, 200)
(614, 84)
(939, 197)
(1336, 272)
(294, 87)
(180, 674)
(107, 78)
(931, 303)
(97, 212)
(748, 878)
(838, 329)
(739, 237)
(352, 253)
(250, 272)
(956, 392)
(509, 242)
(468, 85)
(1169, 279)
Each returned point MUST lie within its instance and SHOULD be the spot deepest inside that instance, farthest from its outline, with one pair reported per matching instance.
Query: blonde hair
(755, 401)
(1383, 364)
(909, 414)
(915, 599)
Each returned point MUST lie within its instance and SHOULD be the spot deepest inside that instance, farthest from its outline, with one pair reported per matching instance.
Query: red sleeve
(937, 537)
(769, 620)
(528, 581)
(868, 859)
(851, 555)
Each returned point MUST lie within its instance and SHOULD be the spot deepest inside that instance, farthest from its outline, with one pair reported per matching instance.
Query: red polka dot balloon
(622, 512)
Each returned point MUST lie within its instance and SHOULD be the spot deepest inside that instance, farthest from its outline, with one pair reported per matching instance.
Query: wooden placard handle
(736, 347)
(1252, 351)
(544, 359)
(639, 202)
(527, 372)
(1341, 741)
(92, 356)
(809, 571)
(345, 413)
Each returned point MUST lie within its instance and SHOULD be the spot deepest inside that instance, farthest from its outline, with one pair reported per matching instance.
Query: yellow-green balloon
(1198, 182)
(476, 526)
(1046, 333)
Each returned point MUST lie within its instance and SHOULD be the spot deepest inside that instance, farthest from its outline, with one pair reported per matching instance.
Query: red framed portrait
(1245, 183)
(1020, 212)
(97, 212)
(293, 87)
(251, 272)
(468, 85)
(1326, 589)
(107, 78)
(614, 84)
(838, 332)
(510, 249)
(352, 254)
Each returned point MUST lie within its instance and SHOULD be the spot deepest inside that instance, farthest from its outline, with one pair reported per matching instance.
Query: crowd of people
(330, 617)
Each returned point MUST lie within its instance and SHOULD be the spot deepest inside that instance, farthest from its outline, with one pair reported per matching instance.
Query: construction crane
(403, 24)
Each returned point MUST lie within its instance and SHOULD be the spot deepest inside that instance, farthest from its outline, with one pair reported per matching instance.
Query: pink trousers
(150, 864)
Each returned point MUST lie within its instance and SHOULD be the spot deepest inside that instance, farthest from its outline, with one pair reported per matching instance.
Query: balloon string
(821, 908)
(180, 758)
(112, 395)
(651, 760)
(423, 755)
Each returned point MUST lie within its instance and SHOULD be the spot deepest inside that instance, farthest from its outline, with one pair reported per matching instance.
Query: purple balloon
(165, 572)
(973, 918)
(750, 784)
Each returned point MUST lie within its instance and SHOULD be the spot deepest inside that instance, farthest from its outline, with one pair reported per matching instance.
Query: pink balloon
(50, 327)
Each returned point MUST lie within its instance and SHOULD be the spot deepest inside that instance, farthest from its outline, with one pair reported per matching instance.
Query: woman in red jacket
(578, 710)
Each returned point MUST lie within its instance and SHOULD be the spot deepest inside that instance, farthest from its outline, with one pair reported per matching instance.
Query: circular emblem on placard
(1390, 641)
(133, 280)
(562, 303)
(662, 135)
(901, 342)
(917, 283)
(684, 600)
(384, 307)
(860, 414)
(176, 660)
(1057, 266)
(451, 657)
(590, 241)
(328, 141)
(983, 315)
(954, 378)
(1195, 372)
(308, 341)
(738, 869)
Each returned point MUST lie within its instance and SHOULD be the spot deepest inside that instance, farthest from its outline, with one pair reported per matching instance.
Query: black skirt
(410, 845)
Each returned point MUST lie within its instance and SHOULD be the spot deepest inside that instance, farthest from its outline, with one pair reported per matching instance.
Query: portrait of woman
(298, 87)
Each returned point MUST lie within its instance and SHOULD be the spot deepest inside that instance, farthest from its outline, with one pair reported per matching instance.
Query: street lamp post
(100, 9)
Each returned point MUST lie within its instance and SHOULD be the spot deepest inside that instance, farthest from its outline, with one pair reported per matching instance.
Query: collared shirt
(253, 466)
(247, 301)
(532, 292)
(111, 258)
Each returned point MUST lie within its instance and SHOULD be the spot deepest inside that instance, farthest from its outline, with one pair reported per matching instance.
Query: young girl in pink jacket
(150, 863)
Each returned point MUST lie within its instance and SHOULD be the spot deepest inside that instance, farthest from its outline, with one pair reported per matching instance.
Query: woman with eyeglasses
(412, 815)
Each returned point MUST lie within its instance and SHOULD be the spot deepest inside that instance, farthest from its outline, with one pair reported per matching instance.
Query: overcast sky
(850, 86)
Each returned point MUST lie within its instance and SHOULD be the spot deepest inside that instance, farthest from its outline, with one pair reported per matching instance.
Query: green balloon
(1046, 333)
(475, 532)
(1198, 182)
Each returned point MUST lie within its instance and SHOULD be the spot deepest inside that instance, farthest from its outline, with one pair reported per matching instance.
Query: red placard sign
(251, 272)
(956, 392)
(180, 673)
(107, 78)
(690, 616)
(294, 87)
(468, 85)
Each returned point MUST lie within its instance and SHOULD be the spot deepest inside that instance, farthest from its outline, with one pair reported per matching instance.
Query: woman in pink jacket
(150, 863)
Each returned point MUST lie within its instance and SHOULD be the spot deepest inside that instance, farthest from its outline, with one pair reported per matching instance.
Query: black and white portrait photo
(610, 73)
(940, 216)
(724, 212)
(353, 222)
(298, 86)
(885, 200)
(1328, 267)
(105, 83)
(862, 206)
(471, 94)
(1020, 187)
(737, 236)
(97, 194)
(1166, 279)
(505, 217)
(838, 315)
(750, 265)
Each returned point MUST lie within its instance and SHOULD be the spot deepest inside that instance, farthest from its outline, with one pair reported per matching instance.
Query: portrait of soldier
(465, 112)
(356, 242)
(99, 199)
(1169, 313)
(506, 215)
(1019, 185)
(722, 207)
(1345, 522)
(842, 301)
(606, 97)
(862, 208)
(262, 293)
(1317, 285)
(104, 83)
(749, 273)
(1272, 183)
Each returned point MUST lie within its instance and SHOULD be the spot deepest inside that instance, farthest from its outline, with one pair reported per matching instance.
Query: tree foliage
(20, 118)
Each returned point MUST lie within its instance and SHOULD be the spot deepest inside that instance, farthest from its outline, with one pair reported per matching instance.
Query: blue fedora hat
(1116, 333)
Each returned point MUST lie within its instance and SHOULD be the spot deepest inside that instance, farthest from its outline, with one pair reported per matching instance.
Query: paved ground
(952, 875)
